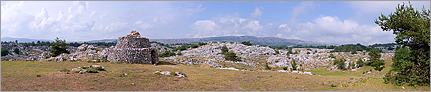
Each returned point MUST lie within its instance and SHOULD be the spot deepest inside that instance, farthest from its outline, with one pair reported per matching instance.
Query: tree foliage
(294, 65)
(411, 61)
(340, 63)
(16, 51)
(167, 53)
(248, 43)
(350, 48)
(4, 52)
(58, 46)
(228, 55)
(360, 63)
(375, 60)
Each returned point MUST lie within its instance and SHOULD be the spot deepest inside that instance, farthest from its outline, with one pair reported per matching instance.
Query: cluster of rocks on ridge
(257, 56)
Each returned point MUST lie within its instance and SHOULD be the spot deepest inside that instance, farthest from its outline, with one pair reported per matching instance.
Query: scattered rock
(285, 71)
(180, 75)
(168, 73)
(230, 68)
(308, 73)
(88, 69)
(123, 75)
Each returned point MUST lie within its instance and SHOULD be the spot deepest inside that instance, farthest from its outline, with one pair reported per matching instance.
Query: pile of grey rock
(211, 54)
(88, 69)
(169, 73)
(25, 53)
(83, 53)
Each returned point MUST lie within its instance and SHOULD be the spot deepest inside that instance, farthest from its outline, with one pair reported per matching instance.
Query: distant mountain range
(12, 39)
(270, 41)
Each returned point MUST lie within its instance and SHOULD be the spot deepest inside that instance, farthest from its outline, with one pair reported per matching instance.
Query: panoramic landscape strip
(215, 46)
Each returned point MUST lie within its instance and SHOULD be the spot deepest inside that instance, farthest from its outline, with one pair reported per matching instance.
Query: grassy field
(21, 75)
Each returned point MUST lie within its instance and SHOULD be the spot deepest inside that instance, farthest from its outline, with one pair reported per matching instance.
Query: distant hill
(8, 39)
(270, 41)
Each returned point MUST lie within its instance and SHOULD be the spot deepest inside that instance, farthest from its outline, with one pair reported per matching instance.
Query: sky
(338, 22)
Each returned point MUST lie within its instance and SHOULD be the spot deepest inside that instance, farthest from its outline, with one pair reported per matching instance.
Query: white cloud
(205, 25)
(373, 7)
(331, 29)
(88, 20)
(253, 25)
(227, 26)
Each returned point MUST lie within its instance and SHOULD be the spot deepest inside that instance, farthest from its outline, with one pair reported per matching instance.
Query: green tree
(4, 52)
(16, 51)
(248, 43)
(59, 46)
(340, 63)
(375, 60)
(231, 56)
(224, 49)
(360, 63)
(167, 53)
(294, 65)
(411, 28)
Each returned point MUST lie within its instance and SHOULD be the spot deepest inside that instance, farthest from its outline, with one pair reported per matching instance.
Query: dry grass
(21, 76)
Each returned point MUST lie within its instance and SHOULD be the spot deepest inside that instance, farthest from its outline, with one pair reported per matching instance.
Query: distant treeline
(344, 48)
(48, 43)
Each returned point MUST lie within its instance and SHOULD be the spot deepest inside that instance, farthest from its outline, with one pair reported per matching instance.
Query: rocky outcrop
(133, 49)
(84, 52)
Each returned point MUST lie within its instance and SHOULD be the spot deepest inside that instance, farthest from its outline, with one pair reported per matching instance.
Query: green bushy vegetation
(339, 62)
(167, 53)
(4, 52)
(411, 61)
(360, 63)
(350, 48)
(294, 65)
(228, 55)
(248, 43)
(58, 46)
(186, 46)
(16, 51)
(375, 60)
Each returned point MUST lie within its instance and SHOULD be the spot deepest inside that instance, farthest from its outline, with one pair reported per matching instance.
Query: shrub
(4, 52)
(224, 49)
(16, 51)
(340, 63)
(285, 68)
(294, 65)
(58, 47)
(360, 63)
(375, 61)
(231, 56)
(181, 48)
(167, 53)
(248, 43)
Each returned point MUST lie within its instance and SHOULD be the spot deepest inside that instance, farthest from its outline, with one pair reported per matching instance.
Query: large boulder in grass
(169, 73)
(88, 69)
